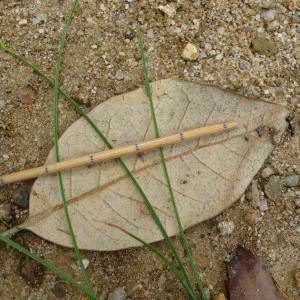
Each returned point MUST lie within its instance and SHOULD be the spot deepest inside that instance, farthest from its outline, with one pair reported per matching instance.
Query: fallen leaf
(249, 278)
(207, 174)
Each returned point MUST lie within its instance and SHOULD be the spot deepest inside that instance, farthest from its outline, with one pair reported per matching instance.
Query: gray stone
(244, 65)
(290, 180)
(273, 188)
(161, 280)
(21, 198)
(119, 75)
(296, 18)
(268, 15)
(118, 293)
(267, 172)
(260, 131)
(36, 21)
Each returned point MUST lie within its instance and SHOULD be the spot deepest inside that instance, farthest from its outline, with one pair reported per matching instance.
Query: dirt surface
(252, 47)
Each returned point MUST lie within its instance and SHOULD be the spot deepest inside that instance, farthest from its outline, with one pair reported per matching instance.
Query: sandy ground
(252, 47)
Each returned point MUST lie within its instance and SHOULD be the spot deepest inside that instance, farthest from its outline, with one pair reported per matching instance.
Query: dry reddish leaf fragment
(249, 278)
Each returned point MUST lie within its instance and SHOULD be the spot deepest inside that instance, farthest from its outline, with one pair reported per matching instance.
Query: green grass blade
(57, 151)
(165, 169)
(47, 265)
(107, 143)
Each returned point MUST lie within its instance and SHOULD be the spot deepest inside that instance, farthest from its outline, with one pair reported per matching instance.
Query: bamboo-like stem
(116, 152)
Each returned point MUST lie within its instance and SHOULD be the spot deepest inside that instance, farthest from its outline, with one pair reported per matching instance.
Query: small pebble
(273, 26)
(190, 52)
(267, 172)
(296, 17)
(220, 296)
(161, 280)
(263, 206)
(150, 34)
(221, 30)
(207, 293)
(268, 15)
(297, 202)
(94, 47)
(85, 263)
(59, 290)
(22, 22)
(118, 293)
(290, 180)
(119, 75)
(225, 227)
(244, 65)
(273, 188)
(298, 229)
(251, 217)
(263, 46)
(255, 194)
(168, 9)
(219, 56)
(260, 131)
(21, 198)
(36, 21)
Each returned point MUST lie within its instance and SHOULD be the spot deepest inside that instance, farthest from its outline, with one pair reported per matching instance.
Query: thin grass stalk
(183, 239)
(178, 274)
(57, 150)
(106, 142)
(47, 265)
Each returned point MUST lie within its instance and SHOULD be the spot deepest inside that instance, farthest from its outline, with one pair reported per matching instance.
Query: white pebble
(221, 30)
(85, 263)
(94, 47)
(190, 52)
(219, 56)
(268, 15)
(168, 9)
(225, 227)
(22, 22)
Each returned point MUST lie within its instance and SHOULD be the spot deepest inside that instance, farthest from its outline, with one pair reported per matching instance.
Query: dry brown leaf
(250, 279)
(208, 175)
